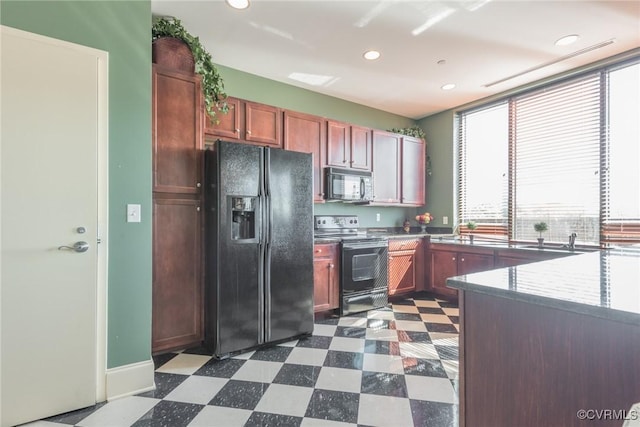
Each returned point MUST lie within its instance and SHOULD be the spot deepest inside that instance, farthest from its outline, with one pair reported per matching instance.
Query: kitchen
(130, 272)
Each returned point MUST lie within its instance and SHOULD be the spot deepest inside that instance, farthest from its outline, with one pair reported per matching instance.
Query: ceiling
(424, 44)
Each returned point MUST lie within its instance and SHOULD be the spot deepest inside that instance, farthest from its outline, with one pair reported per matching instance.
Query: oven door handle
(364, 245)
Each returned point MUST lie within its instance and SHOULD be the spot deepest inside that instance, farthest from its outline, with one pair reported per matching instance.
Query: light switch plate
(133, 213)
(445, 220)
(378, 217)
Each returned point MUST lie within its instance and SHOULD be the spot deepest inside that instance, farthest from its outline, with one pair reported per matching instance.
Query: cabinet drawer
(324, 249)
(403, 244)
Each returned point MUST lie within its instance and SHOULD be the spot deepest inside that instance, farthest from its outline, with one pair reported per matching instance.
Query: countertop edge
(460, 283)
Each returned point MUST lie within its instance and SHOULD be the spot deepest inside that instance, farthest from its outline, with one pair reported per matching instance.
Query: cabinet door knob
(237, 130)
(198, 208)
(248, 132)
(330, 265)
(318, 251)
(462, 259)
(198, 185)
(453, 258)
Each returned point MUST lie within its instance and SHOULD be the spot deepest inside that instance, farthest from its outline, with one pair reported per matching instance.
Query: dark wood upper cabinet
(176, 131)
(228, 125)
(413, 171)
(246, 121)
(361, 148)
(398, 169)
(348, 146)
(386, 167)
(263, 124)
(306, 133)
(338, 144)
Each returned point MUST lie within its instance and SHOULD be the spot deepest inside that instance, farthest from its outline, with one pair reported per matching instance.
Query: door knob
(77, 247)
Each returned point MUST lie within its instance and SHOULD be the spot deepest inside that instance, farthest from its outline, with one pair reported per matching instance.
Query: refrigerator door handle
(261, 292)
(361, 188)
(267, 179)
(267, 244)
(267, 294)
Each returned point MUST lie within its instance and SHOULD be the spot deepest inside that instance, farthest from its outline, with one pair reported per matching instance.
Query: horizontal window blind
(567, 154)
(621, 157)
(483, 138)
(556, 135)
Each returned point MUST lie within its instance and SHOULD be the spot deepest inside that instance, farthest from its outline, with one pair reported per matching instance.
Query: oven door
(364, 266)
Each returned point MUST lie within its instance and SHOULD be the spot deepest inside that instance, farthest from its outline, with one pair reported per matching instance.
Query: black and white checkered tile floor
(396, 366)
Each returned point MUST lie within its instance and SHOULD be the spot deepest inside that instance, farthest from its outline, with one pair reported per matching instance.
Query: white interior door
(49, 200)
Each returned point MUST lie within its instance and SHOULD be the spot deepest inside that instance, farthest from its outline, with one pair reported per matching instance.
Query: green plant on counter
(471, 225)
(212, 84)
(414, 131)
(540, 227)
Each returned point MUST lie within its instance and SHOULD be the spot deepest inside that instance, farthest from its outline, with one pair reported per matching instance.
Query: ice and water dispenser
(243, 218)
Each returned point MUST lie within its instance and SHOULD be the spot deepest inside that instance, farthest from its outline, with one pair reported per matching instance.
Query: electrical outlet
(377, 217)
(133, 213)
(445, 220)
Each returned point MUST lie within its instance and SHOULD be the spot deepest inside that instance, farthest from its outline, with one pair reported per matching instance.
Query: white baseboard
(130, 379)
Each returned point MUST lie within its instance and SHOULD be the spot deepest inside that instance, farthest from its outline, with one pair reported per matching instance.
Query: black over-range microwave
(347, 185)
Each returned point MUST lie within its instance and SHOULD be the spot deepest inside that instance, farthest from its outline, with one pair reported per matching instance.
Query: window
(483, 173)
(567, 154)
(621, 204)
(556, 143)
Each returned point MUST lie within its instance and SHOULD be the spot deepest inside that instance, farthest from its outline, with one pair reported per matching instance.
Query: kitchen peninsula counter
(540, 342)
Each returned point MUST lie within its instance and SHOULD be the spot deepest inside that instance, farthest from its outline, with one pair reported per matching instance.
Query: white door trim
(102, 58)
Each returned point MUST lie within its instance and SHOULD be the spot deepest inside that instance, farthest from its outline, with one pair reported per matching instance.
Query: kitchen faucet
(572, 240)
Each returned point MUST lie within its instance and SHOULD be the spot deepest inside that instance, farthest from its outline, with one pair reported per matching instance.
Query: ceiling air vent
(555, 61)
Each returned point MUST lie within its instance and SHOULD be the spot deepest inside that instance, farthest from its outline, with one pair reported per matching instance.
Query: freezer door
(234, 292)
(289, 257)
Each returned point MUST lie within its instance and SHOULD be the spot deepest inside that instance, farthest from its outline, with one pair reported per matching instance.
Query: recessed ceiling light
(238, 4)
(448, 86)
(371, 55)
(567, 40)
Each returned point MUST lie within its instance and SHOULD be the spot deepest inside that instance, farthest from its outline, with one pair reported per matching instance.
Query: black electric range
(364, 276)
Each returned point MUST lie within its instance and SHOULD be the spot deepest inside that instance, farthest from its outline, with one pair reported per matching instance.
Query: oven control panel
(329, 222)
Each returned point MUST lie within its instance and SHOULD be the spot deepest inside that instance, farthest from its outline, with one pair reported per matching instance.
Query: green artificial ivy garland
(212, 84)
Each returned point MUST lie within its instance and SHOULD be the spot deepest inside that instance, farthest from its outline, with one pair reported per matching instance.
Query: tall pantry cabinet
(177, 214)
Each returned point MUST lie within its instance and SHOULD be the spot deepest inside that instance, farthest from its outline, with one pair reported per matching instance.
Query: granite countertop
(603, 284)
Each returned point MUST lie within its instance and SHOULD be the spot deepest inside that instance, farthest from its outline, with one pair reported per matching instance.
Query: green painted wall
(440, 184)
(122, 29)
(251, 87)
(254, 88)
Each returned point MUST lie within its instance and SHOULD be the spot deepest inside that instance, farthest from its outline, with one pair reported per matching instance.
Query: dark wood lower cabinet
(406, 266)
(449, 263)
(326, 277)
(443, 264)
(177, 273)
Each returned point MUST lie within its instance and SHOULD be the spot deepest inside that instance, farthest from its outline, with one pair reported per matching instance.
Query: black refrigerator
(258, 246)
